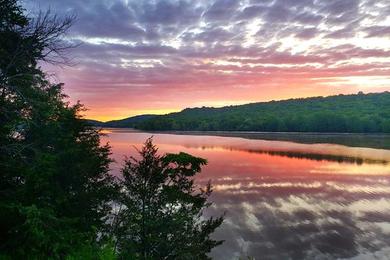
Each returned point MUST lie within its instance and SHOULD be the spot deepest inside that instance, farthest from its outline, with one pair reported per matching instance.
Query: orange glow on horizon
(109, 111)
(102, 114)
(236, 57)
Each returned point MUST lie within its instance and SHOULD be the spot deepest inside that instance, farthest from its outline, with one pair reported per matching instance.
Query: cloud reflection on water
(286, 200)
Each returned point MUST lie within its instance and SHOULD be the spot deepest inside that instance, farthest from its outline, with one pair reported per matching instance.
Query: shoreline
(370, 140)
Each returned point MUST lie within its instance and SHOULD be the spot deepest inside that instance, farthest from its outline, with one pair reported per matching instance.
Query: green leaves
(57, 197)
(55, 188)
(187, 163)
(362, 113)
(161, 208)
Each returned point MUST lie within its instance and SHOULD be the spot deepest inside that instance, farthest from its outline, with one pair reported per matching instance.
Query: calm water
(287, 200)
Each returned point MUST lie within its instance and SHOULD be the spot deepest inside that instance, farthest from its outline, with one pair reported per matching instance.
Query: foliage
(54, 184)
(106, 252)
(161, 212)
(361, 113)
(127, 122)
(56, 192)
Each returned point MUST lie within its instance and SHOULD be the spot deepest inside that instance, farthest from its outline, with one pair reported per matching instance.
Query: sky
(158, 56)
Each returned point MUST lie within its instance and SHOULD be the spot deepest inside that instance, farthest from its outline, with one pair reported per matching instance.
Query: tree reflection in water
(286, 200)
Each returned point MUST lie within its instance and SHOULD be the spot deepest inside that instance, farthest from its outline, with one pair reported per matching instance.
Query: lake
(288, 198)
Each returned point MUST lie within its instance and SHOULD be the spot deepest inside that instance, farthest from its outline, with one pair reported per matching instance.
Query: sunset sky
(138, 57)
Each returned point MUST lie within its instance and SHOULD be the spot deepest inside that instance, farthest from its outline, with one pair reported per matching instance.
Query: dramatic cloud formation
(164, 55)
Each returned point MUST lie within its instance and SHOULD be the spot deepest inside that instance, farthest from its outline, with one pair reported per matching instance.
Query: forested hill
(126, 122)
(363, 113)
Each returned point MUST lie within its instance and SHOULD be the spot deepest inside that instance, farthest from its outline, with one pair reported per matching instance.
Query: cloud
(199, 45)
(221, 10)
(299, 218)
(307, 33)
(378, 31)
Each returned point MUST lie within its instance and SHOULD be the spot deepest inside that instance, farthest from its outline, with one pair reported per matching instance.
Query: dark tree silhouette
(162, 208)
(55, 188)
(56, 193)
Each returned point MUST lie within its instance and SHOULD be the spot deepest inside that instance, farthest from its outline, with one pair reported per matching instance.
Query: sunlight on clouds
(274, 49)
(225, 62)
(369, 43)
(102, 41)
(362, 61)
(175, 43)
(141, 63)
(363, 82)
(251, 30)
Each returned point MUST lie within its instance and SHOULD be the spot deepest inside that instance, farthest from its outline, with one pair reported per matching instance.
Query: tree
(161, 210)
(55, 187)
(342, 113)
(56, 192)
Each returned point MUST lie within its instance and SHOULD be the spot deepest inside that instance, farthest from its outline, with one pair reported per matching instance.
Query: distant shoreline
(360, 113)
(199, 132)
(370, 140)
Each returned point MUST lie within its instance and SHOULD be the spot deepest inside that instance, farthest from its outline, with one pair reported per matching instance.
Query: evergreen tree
(161, 210)
(56, 193)
(55, 188)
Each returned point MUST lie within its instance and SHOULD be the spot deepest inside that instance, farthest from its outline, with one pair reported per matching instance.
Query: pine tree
(161, 212)
(55, 188)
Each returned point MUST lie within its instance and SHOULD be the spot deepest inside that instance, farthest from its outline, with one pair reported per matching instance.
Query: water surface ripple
(284, 199)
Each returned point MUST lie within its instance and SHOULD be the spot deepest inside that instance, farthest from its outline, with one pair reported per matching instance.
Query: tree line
(58, 199)
(359, 113)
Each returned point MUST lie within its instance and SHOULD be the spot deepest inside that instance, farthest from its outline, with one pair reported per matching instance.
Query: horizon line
(238, 104)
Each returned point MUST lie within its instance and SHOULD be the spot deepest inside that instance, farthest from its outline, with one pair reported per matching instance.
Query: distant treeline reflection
(307, 155)
(324, 157)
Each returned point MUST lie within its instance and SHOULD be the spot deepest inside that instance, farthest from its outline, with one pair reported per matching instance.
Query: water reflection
(287, 200)
(380, 141)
